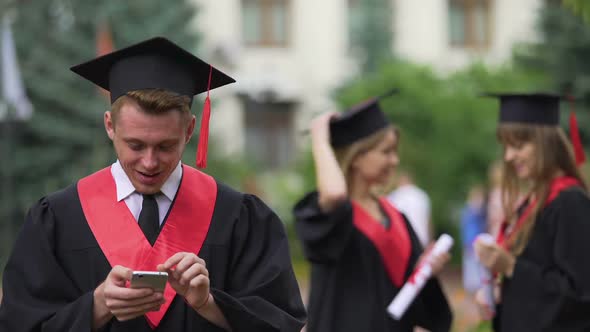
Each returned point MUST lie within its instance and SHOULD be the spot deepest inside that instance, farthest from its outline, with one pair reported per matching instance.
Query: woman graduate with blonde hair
(362, 249)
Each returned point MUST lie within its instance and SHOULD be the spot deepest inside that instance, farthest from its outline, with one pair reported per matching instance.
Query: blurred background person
(473, 223)
(415, 204)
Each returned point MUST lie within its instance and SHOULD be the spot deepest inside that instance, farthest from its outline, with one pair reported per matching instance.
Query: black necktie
(149, 220)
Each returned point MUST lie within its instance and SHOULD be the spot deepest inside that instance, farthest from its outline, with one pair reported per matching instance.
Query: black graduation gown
(56, 264)
(550, 286)
(350, 288)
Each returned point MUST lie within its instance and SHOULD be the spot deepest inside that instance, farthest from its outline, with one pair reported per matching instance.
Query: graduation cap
(532, 108)
(157, 63)
(358, 122)
(538, 109)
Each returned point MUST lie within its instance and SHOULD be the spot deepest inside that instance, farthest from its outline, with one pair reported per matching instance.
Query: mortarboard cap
(358, 122)
(539, 109)
(157, 63)
(530, 108)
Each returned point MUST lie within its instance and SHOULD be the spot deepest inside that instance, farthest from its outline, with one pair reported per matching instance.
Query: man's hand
(495, 258)
(188, 276)
(112, 298)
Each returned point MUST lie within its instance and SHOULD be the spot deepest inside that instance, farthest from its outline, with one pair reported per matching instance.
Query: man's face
(148, 146)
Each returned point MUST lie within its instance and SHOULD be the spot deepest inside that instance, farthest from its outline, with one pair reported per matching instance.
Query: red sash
(393, 243)
(122, 241)
(557, 185)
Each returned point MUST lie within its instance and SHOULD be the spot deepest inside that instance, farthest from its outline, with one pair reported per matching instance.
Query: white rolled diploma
(486, 277)
(418, 279)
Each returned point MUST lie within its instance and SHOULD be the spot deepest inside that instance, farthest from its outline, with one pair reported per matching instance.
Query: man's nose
(150, 160)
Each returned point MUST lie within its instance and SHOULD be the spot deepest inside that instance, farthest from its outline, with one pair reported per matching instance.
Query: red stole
(557, 185)
(122, 241)
(393, 244)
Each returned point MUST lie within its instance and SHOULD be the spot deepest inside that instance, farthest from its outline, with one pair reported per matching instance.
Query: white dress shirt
(415, 204)
(134, 200)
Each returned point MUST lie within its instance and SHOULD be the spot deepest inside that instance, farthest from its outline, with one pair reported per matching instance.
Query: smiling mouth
(519, 167)
(150, 176)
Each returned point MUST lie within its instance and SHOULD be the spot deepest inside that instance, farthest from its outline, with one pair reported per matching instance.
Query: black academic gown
(56, 264)
(350, 288)
(550, 286)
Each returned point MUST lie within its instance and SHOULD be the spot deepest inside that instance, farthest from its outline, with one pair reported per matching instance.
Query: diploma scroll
(418, 279)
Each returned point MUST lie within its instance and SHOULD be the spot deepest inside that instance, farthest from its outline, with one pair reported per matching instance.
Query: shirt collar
(125, 187)
(170, 187)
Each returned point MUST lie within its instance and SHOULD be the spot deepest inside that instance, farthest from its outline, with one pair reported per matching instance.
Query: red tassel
(204, 132)
(204, 135)
(576, 141)
(575, 133)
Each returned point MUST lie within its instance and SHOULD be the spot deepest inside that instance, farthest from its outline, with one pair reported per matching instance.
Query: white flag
(13, 91)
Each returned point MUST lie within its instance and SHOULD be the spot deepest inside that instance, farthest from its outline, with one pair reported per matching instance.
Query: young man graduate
(226, 253)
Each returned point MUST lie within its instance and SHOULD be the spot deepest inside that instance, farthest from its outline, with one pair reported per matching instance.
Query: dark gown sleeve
(324, 235)
(565, 282)
(262, 293)
(38, 294)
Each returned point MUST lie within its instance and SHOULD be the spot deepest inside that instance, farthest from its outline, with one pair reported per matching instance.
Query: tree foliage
(580, 7)
(561, 55)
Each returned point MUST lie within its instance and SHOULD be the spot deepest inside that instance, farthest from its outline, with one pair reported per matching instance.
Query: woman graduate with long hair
(540, 254)
(362, 249)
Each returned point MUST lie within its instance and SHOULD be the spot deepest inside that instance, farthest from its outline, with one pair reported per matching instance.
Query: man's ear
(190, 129)
(109, 125)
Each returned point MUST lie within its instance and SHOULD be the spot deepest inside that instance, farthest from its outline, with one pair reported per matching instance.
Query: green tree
(562, 54)
(65, 139)
(580, 7)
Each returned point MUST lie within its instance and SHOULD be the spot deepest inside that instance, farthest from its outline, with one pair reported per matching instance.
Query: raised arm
(331, 184)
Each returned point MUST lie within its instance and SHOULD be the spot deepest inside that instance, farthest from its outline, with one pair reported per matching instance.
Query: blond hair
(153, 101)
(553, 153)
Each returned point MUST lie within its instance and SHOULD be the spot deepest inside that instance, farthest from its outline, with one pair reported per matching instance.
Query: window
(470, 23)
(269, 133)
(369, 25)
(265, 22)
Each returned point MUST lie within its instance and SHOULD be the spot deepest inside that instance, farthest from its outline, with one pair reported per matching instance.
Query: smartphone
(149, 279)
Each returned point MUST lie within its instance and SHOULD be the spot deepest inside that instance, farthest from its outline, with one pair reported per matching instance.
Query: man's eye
(135, 146)
(167, 147)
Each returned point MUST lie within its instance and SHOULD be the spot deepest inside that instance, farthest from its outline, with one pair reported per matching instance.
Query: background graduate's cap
(358, 122)
(156, 63)
(538, 109)
(529, 108)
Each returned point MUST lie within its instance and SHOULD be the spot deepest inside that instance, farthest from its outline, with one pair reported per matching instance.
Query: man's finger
(173, 260)
(114, 303)
(192, 272)
(186, 262)
(122, 293)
